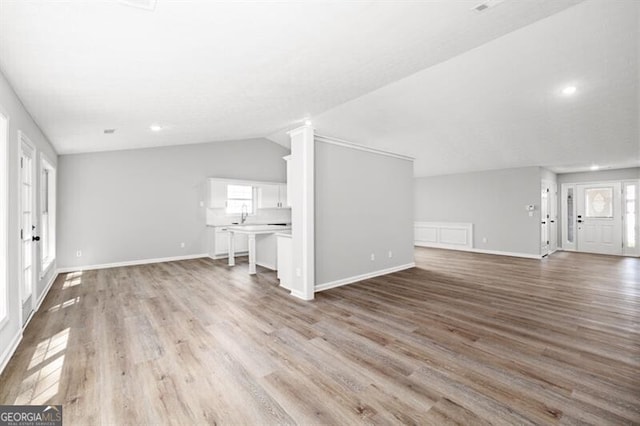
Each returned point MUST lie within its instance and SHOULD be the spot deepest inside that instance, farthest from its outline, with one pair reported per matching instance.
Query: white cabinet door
(268, 196)
(217, 194)
(241, 242)
(283, 196)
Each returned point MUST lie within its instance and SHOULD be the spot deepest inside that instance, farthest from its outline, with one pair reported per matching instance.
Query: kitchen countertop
(246, 224)
(258, 229)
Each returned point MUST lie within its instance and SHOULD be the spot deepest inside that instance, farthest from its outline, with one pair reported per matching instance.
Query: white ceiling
(500, 105)
(220, 70)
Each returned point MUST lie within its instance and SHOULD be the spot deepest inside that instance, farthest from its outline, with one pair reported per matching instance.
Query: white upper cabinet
(284, 201)
(287, 186)
(268, 197)
(272, 196)
(217, 194)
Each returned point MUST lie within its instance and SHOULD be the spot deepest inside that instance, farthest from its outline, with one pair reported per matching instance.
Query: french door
(27, 227)
(599, 218)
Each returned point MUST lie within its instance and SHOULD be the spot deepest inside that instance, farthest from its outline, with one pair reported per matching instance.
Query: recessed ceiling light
(569, 90)
(594, 167)
(307, 122)
(109, 131)
(155, 128)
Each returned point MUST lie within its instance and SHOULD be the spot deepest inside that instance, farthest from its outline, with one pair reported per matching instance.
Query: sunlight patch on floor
(73, 279)
(64, 304)
(47, 361)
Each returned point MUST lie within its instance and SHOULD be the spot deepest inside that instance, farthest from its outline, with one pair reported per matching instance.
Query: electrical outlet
(373, 257)
(484, 239)
(201, 203)
(79, 253)
(181, 245)
(390, 254)
(298, 272)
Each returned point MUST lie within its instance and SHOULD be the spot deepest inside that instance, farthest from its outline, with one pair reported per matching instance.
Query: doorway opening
(601, 217)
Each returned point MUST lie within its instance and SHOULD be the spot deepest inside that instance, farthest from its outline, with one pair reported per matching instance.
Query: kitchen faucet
(244, 213)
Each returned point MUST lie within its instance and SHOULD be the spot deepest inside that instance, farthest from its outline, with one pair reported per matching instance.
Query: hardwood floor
(461, 339)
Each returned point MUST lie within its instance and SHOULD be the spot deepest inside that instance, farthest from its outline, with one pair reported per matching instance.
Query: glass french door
(27, 227)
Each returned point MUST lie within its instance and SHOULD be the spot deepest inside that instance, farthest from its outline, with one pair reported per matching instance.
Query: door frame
(24, 141)
(551, 189)
(563, 207)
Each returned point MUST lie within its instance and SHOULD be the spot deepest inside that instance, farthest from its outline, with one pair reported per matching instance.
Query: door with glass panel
(27, 226)
(599, 218)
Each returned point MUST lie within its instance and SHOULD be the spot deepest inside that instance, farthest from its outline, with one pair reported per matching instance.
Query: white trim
(11, 349)
(4, 223)
(130, 263)
(347, 144)
(23, 140)
(368, 275)
(44, 293)
(482, 251)
(302, 195)
(226, 255)
(435, 234)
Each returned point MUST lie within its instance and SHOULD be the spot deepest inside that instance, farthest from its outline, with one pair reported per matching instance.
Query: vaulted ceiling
(457, 89)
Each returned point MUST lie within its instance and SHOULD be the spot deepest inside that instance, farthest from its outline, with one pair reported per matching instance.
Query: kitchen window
(240, 199)
(47, 214)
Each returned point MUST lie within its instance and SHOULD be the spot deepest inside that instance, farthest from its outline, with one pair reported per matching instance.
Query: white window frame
(46, 165)
(254, 199)
(4, 202)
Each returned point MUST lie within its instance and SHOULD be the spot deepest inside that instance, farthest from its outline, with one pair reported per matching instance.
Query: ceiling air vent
(109, 131)
(140, 4)
(486, 5)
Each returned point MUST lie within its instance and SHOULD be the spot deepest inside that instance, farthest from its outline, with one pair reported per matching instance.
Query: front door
(599, 218)
(27, 227)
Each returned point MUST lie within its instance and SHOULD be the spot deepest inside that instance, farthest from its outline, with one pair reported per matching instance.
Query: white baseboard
(46, 289)
(131, 263)
(476, 250)
(349, 280)
(8, 353)
(226, 256)
(299, 295)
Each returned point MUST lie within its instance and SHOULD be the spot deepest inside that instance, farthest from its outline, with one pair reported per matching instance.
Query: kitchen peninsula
(262, 244)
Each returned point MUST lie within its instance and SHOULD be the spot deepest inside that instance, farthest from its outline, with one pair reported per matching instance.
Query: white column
(232, 253)
(252, 253)
(302, 211)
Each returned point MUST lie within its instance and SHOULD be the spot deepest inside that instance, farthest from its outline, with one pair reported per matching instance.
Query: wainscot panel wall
(363, 206)
(20, 120)
(493, 201)
(142, 204)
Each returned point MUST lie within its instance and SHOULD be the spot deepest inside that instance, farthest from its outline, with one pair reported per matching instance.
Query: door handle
(35, 238)
(579, 221)
(552, 221)
(544, 223)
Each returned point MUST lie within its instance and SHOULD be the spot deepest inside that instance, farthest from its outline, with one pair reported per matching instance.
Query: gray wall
(494, 201)
(585, 177)
(364, 205)
(142, 204)
(19, 119)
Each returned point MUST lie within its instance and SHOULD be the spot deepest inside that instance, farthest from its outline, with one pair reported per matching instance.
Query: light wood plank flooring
(461, 339)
